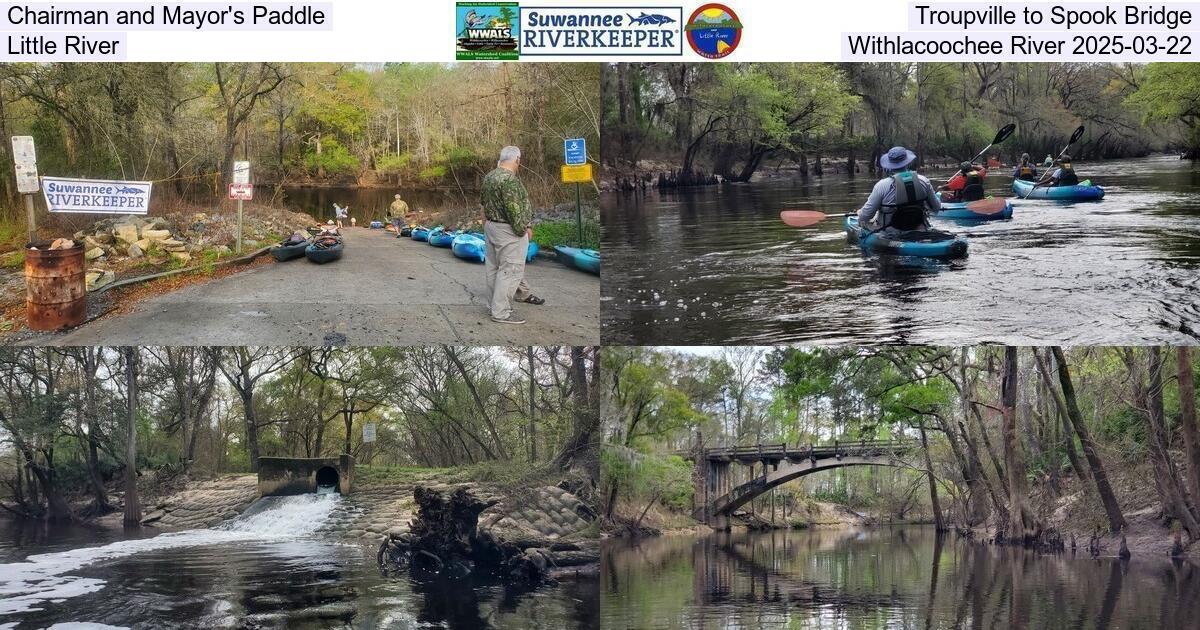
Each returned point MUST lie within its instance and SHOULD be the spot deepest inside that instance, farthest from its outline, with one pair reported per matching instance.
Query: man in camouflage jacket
(506, 229)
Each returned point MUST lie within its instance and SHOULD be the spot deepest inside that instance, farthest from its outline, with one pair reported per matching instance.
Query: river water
(715, 265)
(370, 204)
(271, 568)
(882, 578)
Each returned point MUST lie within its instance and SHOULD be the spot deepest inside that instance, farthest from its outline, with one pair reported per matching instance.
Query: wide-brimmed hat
(897, 158)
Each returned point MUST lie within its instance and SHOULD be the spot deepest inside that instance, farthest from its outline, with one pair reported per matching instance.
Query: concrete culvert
(327, 479)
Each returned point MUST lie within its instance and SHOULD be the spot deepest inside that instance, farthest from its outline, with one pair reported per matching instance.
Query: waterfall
(27, 585)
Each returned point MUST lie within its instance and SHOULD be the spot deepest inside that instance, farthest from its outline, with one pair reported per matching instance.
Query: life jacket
(1066, 175)
(908, 211)
(973, 188)
(1026, 172)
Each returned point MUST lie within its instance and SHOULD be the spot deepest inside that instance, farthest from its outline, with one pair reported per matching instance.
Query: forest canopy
(731, 119)
(70, 427)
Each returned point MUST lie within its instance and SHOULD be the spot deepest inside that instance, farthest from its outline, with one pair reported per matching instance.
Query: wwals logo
(486, 30)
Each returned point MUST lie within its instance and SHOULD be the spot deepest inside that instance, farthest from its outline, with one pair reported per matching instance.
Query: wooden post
(31, 218)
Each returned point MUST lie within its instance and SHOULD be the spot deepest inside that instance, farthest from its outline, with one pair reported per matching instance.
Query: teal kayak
(470, 246)
(420, 234)
(989, 209)
(585, 259)
(1085, 191)
(926, 244)
(441, 238)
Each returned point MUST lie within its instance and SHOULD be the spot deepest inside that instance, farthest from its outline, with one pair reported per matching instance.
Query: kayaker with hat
(966, 184)
(902, 200)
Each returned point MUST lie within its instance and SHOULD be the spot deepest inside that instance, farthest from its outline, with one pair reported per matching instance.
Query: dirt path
(384, 291)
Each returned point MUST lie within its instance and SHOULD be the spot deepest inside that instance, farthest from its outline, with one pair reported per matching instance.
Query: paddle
(1074, 138)
(802, 218)
(1001, 136)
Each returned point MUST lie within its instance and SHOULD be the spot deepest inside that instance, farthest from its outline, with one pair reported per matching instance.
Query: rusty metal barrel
(55, 287)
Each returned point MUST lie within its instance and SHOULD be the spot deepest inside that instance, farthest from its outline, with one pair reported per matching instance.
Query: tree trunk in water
(1111, 508)
(1187, 420)
(938, 523)
(133, 505)
(1021, 521)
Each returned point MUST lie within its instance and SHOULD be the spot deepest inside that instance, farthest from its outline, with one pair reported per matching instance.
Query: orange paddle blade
(991, 205)
(802, 218)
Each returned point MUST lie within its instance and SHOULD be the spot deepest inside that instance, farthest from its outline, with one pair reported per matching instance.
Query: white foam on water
(25, 586)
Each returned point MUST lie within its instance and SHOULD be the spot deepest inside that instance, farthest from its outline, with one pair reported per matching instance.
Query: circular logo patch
(713, 31)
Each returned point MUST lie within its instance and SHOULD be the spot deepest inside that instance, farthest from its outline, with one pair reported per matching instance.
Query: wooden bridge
(777, 464)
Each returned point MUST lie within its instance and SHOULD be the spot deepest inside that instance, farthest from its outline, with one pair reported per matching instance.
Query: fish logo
(128, 190)
(653, 19)
(713, 31)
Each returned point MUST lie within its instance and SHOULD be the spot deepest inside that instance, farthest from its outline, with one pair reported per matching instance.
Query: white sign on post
(25, 161)
(241, 192)
(368, 433)
(96, 196)
(241, 172)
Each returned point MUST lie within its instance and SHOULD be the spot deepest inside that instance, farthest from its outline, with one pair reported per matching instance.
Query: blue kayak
(441, 238)
(926, 244)
(989, 209)
(377, 225)
(470, 246)
(584, 259)
(1085, 191)
(420, 234)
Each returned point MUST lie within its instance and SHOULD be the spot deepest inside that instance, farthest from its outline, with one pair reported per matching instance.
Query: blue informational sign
(575, 151)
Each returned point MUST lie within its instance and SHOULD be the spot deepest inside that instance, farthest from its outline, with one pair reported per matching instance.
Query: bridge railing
(793, 451)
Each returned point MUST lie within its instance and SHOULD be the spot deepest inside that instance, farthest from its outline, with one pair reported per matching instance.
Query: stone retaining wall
(204, 503)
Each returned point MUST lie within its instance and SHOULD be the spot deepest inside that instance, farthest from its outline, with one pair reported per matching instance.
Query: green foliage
(334, 159)
(433, 174)
(662, 479)
(1170, 92)
(547, 234)
(392, 164)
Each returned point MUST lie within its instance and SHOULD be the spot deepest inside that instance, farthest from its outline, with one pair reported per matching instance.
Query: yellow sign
(576, 174)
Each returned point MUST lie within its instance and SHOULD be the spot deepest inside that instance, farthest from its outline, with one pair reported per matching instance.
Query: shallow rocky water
(715, 265)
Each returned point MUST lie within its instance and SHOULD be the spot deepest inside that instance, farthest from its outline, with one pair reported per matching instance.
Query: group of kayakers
(903, 200)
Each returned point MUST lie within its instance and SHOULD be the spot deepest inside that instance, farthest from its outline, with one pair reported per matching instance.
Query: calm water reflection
(882, 578)
(716, 266)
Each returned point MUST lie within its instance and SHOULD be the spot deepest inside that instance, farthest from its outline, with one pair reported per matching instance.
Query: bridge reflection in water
(772, 465)
(884, 577)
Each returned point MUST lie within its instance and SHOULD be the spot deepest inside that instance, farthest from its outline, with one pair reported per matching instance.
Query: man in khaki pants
(506, 231)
